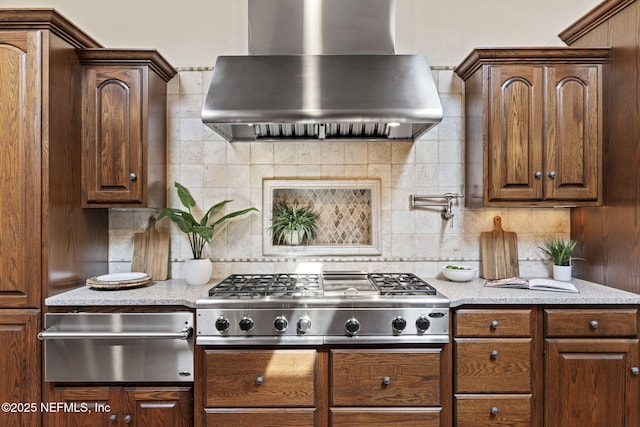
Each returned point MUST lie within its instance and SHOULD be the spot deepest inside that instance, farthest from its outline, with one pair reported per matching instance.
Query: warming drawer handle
(182, 335)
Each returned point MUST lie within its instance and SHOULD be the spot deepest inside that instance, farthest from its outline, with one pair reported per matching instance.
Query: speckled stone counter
(176, 292)
(474, 292)
(161, 292)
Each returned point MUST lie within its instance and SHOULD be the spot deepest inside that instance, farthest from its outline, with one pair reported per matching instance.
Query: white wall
(191, 33)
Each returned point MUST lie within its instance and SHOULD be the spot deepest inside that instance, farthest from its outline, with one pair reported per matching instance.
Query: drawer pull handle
(494, 354)
(113, 418)
(494, 324)
(386, 380)
(127, 419)
(635, 370)
(133, 176)
(494, 410)
(259, 380)
(593, 324)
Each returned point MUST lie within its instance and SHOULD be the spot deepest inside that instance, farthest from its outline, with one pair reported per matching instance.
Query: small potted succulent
(197, 271)
(293, 224)
(560, 251)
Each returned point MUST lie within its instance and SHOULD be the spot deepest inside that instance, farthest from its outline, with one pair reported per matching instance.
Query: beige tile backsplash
(416, 241)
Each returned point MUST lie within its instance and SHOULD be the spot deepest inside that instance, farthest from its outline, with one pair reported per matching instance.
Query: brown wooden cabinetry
(592, 367)
(533, 126)
(494, 367)
(88, 406)
(327, 386)
(124, 127)
(394, 383)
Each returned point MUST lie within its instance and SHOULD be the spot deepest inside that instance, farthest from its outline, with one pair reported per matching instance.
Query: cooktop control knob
(246, 324)
(398, 324)
(222, 324)
(304, 324)
(352, 326)
(280, 324)
(422, 324)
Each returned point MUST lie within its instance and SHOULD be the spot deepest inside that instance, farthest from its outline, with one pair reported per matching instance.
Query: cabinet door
(20, 367)
(591, 382)
(388, 417)
(263, 417)
(20, 182)
(515, 124)
(113, 134)
(158, 406)
(84, 407)
(573, 158)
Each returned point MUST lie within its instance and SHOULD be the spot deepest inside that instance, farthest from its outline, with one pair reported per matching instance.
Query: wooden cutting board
(499, 252)
(151, 252)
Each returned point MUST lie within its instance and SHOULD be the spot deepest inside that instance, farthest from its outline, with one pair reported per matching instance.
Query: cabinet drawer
(591, 323)
(261, 378)
(281, 417)
(358, 377)
(490, 323)
(492, 365)
(492, 410)
(388, 417)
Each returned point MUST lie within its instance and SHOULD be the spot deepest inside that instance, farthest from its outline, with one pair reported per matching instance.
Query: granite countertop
(177, 292)
(160, 292)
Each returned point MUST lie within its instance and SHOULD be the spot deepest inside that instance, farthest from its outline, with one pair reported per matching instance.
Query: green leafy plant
(559, 251)
(288, 220)
(198, 232)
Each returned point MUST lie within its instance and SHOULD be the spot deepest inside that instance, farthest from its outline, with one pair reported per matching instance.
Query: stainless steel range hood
(321, 69)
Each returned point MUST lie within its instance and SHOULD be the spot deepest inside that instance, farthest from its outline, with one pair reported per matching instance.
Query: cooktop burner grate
(401, 284)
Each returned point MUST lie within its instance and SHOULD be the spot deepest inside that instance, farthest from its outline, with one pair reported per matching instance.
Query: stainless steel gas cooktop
(329, 307)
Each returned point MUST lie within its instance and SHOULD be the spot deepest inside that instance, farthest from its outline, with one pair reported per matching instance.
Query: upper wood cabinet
(533, 126)
(124, 127)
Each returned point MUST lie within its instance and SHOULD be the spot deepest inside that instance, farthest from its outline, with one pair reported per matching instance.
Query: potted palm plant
(560, 251)
(197, 271)
(293, 224)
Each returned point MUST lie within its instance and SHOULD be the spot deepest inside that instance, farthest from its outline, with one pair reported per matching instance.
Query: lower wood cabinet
(345, 387)
(88, 406)
(592, 381)
(493, 410)
(20, 366)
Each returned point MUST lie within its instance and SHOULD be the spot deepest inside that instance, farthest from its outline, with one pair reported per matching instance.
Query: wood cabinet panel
(20, 168)
(102, 407)
(590, 382)
(490, 323)
(498, 409)
(388, 417)
(259, 378)
(591, 322)
(385, 377)
(20, 365)
(494, 366)
(515, 132)
(158, 406)
(263, 417)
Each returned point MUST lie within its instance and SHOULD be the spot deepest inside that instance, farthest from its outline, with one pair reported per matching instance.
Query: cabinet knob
(386, 380)
(494, 324)
(127, 419)
(494, 354)
(494, 410)
(538, 174)
(593, 324)
(259, 380)
(113, 418)
(133, 176)
(553, 174)
(635, 370)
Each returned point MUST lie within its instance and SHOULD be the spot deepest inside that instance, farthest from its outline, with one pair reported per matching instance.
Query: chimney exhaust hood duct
(321, 70)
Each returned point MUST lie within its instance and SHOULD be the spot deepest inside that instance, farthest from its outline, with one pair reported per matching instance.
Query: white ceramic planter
(197, 271)
(562, 272)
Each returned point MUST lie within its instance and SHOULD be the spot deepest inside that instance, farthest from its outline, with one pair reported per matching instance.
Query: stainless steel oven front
(118, 347)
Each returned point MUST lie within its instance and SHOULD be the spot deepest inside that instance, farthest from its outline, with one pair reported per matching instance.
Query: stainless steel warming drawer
(118, 347)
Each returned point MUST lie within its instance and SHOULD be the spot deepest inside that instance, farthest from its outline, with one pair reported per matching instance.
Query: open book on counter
(532, 284)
